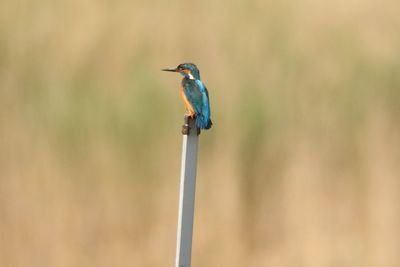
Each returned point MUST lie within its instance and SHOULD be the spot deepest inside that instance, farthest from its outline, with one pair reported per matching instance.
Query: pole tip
(189, 124)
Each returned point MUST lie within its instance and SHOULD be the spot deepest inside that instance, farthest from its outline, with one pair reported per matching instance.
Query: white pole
(187, 193)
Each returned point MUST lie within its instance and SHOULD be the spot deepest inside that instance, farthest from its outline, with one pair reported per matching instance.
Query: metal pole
(187, 193)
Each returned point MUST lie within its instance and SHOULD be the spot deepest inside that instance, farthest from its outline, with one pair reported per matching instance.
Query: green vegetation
(300, 169)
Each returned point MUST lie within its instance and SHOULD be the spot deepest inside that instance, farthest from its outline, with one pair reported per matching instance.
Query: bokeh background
(302, 165)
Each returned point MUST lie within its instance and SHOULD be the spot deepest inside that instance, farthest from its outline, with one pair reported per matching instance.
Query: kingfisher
(194, 94)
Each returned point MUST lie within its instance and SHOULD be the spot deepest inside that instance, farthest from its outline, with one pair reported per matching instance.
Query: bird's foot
(190, 114)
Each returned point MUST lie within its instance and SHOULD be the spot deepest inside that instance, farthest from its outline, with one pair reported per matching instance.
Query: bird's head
(189, 70)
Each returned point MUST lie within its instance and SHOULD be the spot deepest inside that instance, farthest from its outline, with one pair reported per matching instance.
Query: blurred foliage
(300, 169)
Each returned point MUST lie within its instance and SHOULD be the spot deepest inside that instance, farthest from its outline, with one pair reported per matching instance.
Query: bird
(194, 94)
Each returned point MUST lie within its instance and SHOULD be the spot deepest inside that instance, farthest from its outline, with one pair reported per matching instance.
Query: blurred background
(300, 169)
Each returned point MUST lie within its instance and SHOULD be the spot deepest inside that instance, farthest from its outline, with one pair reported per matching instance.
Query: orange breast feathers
(189, 107)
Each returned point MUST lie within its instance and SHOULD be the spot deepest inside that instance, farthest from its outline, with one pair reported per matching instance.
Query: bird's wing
(193, 94)
(205, 110)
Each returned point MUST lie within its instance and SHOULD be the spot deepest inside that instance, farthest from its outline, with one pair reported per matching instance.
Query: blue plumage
(195, 94)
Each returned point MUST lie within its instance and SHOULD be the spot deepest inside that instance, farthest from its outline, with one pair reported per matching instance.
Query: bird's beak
(171, 69)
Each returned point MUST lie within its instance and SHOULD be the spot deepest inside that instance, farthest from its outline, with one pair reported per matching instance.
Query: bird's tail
(203, 122)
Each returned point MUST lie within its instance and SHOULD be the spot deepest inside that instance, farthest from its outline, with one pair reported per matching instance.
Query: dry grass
(301, 168)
